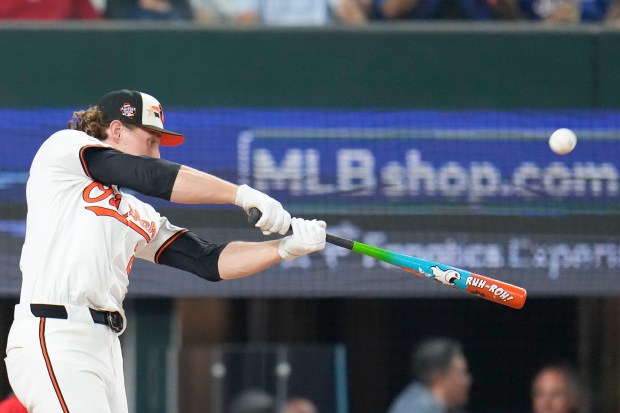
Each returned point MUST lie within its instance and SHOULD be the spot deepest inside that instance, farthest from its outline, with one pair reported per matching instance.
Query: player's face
(137, 141)
(551, 393)
(456, 383)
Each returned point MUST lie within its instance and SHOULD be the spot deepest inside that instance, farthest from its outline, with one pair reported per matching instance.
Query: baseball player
(83, 233)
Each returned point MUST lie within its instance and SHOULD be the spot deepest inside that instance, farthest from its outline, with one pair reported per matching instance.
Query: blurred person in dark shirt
(442, 380)
(153, 10)
(547, 11)
(557, 388)
(390, 10)
(612, 15)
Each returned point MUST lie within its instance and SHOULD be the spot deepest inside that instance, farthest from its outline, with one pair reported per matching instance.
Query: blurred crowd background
(316, 12)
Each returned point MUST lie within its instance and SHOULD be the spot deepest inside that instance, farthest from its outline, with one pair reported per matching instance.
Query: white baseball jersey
(82, 236)
(81, 239)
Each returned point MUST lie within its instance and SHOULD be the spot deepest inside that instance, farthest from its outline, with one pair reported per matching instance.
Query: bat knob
(254, 215)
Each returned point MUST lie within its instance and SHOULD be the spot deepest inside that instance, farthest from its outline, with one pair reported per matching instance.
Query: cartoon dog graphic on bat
(447, 277)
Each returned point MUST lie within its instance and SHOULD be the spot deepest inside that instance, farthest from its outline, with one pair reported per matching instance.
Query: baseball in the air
(562, 141)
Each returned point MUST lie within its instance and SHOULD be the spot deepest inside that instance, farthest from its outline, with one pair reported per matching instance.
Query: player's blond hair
(89, 121)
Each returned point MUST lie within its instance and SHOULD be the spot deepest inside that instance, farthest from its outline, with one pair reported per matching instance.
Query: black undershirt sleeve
(149, 176)
(189, 252)
(155, 177)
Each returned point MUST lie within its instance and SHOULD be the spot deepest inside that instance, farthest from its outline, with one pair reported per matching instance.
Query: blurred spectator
(551, 11)
(299, 405)
(48, 10)
(564, 11)
(612, 16)
(442, 380)
(149, 10)
(298, 12)
(558, 389)
(212, 11)
(253, 401)
(435, 9)
(12, 405)
(406, 9)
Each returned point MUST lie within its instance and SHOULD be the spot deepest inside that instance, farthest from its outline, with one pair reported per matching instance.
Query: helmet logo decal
(128, 110)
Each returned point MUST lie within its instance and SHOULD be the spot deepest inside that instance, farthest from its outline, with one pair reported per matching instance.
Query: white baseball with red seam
(563, 141)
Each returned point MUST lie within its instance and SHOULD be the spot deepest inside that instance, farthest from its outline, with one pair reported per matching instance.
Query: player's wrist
(308, 237)
(243, 192)
(274, 218)
(287, 253)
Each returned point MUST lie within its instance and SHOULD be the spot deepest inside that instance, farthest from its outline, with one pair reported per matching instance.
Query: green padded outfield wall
(608, 69)
(441, 66)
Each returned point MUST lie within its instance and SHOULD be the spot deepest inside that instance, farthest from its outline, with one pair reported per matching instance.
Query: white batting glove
(274, 219)
(308, 236)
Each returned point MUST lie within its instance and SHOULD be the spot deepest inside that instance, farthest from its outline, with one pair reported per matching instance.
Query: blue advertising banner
(401, 162)
(378, 165)
(545, 265)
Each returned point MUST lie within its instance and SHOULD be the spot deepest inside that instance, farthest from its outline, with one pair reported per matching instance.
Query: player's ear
(114, 131)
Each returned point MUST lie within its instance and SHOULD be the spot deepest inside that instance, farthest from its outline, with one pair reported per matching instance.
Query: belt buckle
(115, 321)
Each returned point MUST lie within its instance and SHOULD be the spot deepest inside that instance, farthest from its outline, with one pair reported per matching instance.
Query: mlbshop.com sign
(385, 169)
(386, 162)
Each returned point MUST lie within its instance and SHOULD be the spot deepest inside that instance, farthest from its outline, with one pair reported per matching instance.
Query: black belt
(114, 320)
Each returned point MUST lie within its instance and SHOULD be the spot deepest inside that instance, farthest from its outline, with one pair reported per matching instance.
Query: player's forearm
(241, 259)
(182, 184)
(194, 187)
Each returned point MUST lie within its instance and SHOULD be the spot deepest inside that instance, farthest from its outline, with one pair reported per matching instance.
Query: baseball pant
(72, 365)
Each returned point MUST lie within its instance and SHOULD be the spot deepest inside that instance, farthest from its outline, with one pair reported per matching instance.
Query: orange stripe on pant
(48, 364)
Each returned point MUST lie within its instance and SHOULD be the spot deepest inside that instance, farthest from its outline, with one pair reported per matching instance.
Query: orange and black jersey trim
(50, 368)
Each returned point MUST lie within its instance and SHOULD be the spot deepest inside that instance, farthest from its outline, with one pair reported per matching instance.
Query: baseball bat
(488, 288)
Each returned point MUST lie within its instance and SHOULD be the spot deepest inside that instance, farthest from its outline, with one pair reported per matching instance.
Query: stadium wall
(423, 66)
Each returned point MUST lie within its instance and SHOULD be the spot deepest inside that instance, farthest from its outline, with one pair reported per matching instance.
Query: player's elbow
(232, 273)
(227, 276)
(208, 273)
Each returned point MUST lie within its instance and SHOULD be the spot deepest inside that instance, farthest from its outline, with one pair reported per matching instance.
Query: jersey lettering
(96, 192)
(131, 260)
(150, 227)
